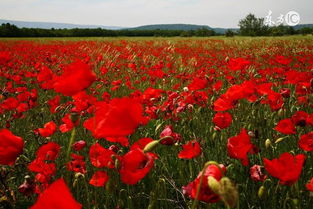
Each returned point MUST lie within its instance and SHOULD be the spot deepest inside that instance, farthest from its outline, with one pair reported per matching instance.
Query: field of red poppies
(164, 123)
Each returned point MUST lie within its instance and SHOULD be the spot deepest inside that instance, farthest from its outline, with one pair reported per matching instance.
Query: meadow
(156, 123)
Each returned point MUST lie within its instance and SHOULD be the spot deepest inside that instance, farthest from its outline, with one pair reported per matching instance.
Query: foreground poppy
(205, 194)
(76, 77)
(119, 118)
(11, 147)
(287, 168)
(56, 196)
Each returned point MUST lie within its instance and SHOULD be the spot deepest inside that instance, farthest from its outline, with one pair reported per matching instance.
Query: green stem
(70, 144)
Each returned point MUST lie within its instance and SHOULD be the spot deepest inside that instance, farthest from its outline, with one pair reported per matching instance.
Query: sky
(130, 13)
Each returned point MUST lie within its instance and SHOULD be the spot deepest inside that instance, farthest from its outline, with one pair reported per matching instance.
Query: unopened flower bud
(78, 175)
(279, 140)
(261, 192)
(268, 143)
(151, 146)
(228, 192)
(214, 184)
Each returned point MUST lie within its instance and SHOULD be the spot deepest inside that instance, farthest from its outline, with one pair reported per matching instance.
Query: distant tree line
(253, 26)
(9, 30)
(249, 26)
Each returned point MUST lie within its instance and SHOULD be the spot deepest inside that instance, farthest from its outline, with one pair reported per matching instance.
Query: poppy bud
(295, 202)
(279, 140)
(108, 185)
(228, 192)
(117, 164)
(214, 184)
(268, 143)
(261, 192)
(75, 183)
(280, 112)
(151, 146)
(214, 135)
(78, 174)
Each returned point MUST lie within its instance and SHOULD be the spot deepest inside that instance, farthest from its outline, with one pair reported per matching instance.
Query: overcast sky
(215, 13)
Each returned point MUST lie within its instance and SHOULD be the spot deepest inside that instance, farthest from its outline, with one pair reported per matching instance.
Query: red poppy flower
(48, 130)
(45, 78)
(239, 146)
(306, 142)
(309, 185)
(287, 168)
(48, 151)
(99, 179)
(76, 77)
(222, 120)
(101, 157)
(256, 173)
(135, 165)
(54, 103)
(223, 103)
(68, 124)
(77, 164)
(4, 57)
(11, 147)
(118, 118)
(56, 196)
(10, 103)
(205, 193)
(299, 118)
(141, 143)
(190, 150)
(238, 63)
(198, 84)
(275, 100)
(122, 140)
(286, 126)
